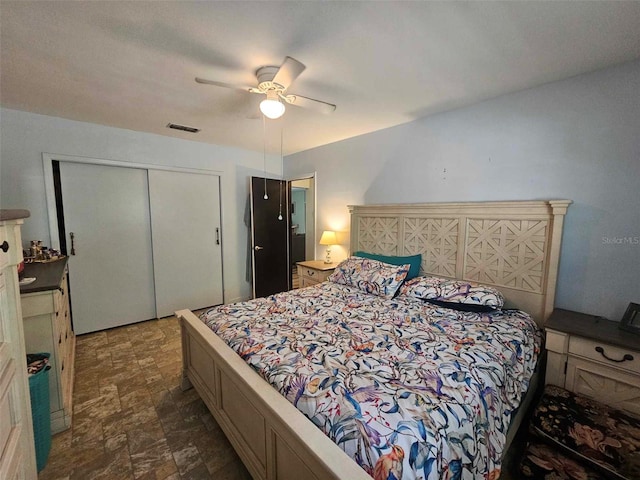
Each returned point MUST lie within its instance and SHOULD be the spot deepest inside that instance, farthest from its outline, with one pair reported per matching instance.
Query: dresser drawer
(61, 316)
(7, 375)
(4, 237)
(605, 354)
(6, 423)
(34, 304)
(63, 291)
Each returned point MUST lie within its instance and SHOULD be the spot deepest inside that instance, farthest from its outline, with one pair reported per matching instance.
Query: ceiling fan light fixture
(272, 107)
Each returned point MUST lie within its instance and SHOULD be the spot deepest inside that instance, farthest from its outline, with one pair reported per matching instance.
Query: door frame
(52, 210)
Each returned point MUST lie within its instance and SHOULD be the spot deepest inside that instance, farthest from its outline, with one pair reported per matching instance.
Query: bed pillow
(422, 287)
(370, 276)
(453, 291)
(414, 260)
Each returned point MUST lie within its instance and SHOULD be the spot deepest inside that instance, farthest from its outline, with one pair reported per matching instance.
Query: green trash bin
(40, 409)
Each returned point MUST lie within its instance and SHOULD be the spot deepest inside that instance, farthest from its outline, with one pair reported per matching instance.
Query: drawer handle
(5, 246)
(310, 272)
(626, 357)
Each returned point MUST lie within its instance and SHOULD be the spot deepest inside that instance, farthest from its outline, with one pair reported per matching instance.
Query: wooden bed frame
(514, 246)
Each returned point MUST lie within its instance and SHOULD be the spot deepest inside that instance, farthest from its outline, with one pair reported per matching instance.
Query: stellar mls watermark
(630, 240)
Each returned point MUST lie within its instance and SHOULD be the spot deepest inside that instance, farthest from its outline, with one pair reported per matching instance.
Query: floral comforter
(407, 389)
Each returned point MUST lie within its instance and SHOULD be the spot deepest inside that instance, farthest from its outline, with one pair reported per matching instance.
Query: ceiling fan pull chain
(281, 169)
(280, 212)
(264, 156)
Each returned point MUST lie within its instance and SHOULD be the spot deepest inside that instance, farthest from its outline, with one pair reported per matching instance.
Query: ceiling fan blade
(305, 102)
(288, 72)
(227, 85)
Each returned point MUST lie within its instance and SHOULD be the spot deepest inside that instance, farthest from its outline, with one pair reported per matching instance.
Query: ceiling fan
(274, 82)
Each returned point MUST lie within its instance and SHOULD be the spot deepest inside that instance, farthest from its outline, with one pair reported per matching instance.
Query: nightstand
(312, 272)
(591, 356)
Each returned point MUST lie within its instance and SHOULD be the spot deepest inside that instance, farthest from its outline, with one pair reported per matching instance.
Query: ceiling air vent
(184, 128)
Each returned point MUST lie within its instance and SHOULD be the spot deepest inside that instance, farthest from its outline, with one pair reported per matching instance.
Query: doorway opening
(303, 223)
(282, 231)
(270, 236)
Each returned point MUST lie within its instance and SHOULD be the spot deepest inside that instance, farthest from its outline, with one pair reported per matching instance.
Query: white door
(111, 273)
(187, 242)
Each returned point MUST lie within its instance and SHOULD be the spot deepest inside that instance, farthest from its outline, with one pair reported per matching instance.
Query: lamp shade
(328, 238)
(271, 106)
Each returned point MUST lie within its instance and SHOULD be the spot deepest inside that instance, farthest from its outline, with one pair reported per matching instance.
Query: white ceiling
(131, 64)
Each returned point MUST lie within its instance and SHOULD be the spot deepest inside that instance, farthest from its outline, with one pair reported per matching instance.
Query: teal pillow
(414, 260)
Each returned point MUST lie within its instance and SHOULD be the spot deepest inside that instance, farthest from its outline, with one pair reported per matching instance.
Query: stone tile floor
(130, 418)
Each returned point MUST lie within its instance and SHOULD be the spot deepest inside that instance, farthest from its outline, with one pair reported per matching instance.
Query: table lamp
(328, 238)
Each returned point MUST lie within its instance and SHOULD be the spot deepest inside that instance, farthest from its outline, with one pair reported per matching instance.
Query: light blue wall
(25, 136)
(577, 139)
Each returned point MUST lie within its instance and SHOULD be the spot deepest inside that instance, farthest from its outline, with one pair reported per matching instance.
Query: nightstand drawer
(556, 341)
(315, 275)
(312, 272)
(607, 385)
(606, 354)
(307, 282)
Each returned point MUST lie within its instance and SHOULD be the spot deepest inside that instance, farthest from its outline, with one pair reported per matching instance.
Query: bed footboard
(273, 439)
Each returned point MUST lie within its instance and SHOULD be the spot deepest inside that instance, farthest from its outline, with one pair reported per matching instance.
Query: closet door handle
(217, 235)
(5, 246)
(73, 243)
(258, 248)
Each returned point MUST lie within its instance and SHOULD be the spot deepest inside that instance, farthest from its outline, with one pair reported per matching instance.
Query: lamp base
(327, 259)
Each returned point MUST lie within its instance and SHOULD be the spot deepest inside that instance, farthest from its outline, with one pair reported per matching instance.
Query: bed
(458, 423)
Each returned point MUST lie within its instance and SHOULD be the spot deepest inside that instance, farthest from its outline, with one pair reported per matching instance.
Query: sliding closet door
(187, 250)
(110, 267)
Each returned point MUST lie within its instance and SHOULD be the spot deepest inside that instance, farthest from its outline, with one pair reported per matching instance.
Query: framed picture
(631, 320)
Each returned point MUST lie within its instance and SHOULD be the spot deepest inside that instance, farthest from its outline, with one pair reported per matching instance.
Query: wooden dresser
(47, 328)
(17, 447)
(312, 272)
(591, 356)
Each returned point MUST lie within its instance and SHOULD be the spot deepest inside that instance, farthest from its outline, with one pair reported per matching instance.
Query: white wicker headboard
(514, 246)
